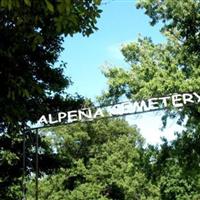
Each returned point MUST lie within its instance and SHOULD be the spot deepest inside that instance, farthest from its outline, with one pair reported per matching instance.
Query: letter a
(98, 112)
(43, 120)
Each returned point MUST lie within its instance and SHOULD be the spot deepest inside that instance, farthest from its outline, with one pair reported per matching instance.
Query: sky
(120, 23)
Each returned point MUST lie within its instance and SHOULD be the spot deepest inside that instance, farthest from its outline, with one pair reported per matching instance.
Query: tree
(161, 69)
(180, 18)
(182, 21)
(101, 160)
(31, 36)
(31, 39)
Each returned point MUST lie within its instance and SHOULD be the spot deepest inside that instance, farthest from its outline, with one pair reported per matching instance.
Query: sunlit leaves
(160, 69)
(103, 161)
(32, 33)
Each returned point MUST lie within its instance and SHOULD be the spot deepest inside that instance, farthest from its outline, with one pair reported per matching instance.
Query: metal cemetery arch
(116, 110)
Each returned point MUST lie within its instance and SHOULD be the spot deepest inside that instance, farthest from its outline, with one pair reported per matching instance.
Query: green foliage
(30, 43)
(66, 16)
(158, 70)
(105, 159)
(31, 36)
(101, 160)
(182, 17)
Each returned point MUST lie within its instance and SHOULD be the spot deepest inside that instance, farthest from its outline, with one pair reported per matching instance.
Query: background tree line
(106, 159)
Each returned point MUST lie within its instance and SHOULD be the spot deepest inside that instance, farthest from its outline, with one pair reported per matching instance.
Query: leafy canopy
(160, 69)
(101, 160)
(30, 43)
(31, 37)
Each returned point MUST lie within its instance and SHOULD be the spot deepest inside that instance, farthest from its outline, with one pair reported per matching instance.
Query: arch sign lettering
(120, 109)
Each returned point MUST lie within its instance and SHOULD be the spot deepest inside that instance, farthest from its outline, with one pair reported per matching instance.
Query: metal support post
(24, 167)
(36, 167)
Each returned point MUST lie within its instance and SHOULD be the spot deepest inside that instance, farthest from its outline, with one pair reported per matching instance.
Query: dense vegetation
(105, 159)
(101, 160)
(31, 36)
(166, 68)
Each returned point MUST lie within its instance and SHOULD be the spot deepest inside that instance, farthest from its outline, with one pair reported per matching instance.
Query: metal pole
(36, 167)
(24, 167)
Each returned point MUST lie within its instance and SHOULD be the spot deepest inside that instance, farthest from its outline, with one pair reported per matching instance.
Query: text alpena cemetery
(175, 100)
